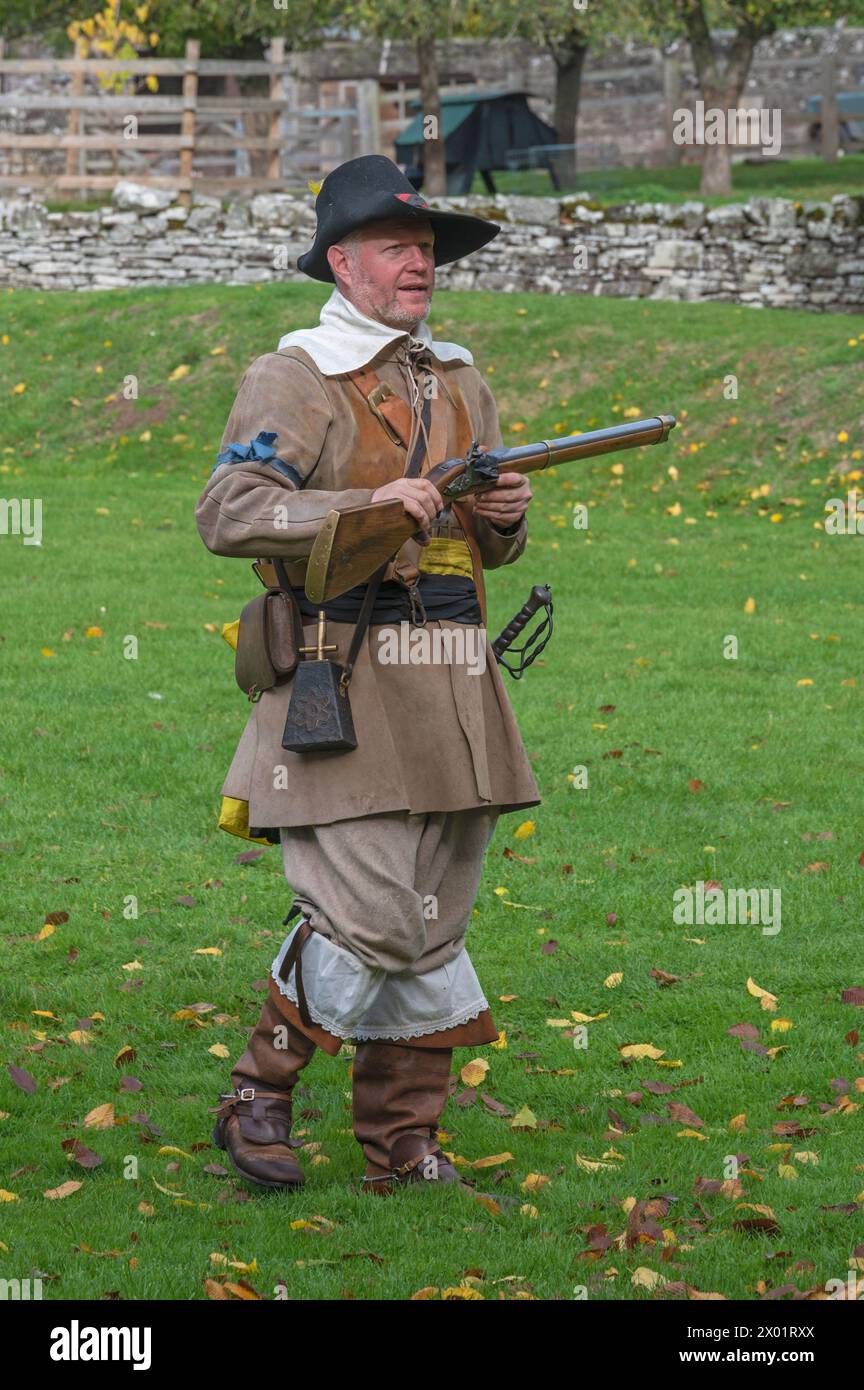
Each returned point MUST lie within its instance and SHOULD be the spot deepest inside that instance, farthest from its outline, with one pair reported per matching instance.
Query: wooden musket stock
(351, 545)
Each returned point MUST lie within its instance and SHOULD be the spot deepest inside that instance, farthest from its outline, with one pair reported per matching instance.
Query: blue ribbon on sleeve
(259, 450)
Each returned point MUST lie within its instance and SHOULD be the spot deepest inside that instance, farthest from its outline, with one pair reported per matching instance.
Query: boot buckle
(431, 1150)
(246, 1093)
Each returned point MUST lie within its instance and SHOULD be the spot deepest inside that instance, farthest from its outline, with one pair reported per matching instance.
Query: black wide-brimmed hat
(371, 188)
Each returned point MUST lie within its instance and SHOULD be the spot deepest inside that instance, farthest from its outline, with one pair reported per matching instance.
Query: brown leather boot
(254, 1122)
(399, 1093)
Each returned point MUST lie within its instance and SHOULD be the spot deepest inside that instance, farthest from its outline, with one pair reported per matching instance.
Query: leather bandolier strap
(410, 580)
(396, 417)
(395, 414)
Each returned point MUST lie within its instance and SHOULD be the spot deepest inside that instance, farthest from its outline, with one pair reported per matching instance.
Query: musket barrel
(352, 544)
(653, 430)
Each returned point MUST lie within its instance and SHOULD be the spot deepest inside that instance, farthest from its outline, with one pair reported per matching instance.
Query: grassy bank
(745, 770)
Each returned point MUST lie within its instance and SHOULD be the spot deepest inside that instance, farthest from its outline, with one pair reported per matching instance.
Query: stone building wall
(623, 117)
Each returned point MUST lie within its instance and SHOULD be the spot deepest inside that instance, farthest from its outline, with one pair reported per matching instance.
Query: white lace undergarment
(352, 1000)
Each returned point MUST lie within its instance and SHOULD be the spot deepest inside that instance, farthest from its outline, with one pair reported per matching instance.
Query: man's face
(391, 275)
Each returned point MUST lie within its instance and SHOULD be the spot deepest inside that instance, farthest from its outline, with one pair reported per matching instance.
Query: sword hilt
(540, 597)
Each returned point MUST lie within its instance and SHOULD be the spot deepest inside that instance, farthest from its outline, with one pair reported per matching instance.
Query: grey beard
(405, 318)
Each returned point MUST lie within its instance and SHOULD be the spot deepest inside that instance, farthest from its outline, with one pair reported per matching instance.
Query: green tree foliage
(237, 29)
(722, 65)
(567, 33)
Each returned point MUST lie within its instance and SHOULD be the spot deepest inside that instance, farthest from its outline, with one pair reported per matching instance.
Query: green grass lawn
(745, 771)
(769, 178)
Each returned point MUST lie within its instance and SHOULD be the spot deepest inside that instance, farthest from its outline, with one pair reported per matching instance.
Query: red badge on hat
(413, 198)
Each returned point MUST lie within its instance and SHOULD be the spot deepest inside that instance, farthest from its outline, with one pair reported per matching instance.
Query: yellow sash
(443, 556)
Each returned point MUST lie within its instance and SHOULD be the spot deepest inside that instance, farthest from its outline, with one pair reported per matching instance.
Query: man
(383, 845)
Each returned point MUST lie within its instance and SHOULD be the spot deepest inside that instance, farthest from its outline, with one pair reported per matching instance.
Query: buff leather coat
(430, 737)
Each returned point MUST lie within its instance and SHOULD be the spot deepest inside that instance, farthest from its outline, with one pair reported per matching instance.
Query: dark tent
(850, 112)
(482, 131)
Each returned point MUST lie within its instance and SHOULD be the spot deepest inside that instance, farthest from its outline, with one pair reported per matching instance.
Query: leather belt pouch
(268, 641)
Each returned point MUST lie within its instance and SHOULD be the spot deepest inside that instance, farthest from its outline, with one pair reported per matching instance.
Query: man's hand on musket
(506, 503)
(503, 505)
(420, 498)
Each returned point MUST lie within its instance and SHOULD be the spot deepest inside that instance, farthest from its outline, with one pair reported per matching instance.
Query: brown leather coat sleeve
(495, 548)
(249, 509)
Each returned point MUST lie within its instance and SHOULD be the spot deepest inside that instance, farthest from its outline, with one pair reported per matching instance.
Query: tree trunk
(569, 63)
(720, 85)
(716, 180)
(434, 163)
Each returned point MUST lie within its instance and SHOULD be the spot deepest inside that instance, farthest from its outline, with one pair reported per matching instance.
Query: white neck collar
(347, 339)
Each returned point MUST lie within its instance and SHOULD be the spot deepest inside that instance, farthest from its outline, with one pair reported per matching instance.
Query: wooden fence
(290, 142)
(298, 140)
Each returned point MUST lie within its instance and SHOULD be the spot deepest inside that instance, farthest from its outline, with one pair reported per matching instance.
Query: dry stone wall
(766, 252)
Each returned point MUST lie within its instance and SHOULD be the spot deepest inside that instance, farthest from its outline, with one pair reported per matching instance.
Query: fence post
(672, 103)
(76, 160)
(369, 115)
(187, 125)
(346, 139)
(276, 55)
(830, 117)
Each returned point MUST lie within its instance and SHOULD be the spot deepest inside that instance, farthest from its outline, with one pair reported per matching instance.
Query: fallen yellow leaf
(640, 1050)
(100, 1118)
(524, 1119)
(64, 1190)
(767, 1001)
